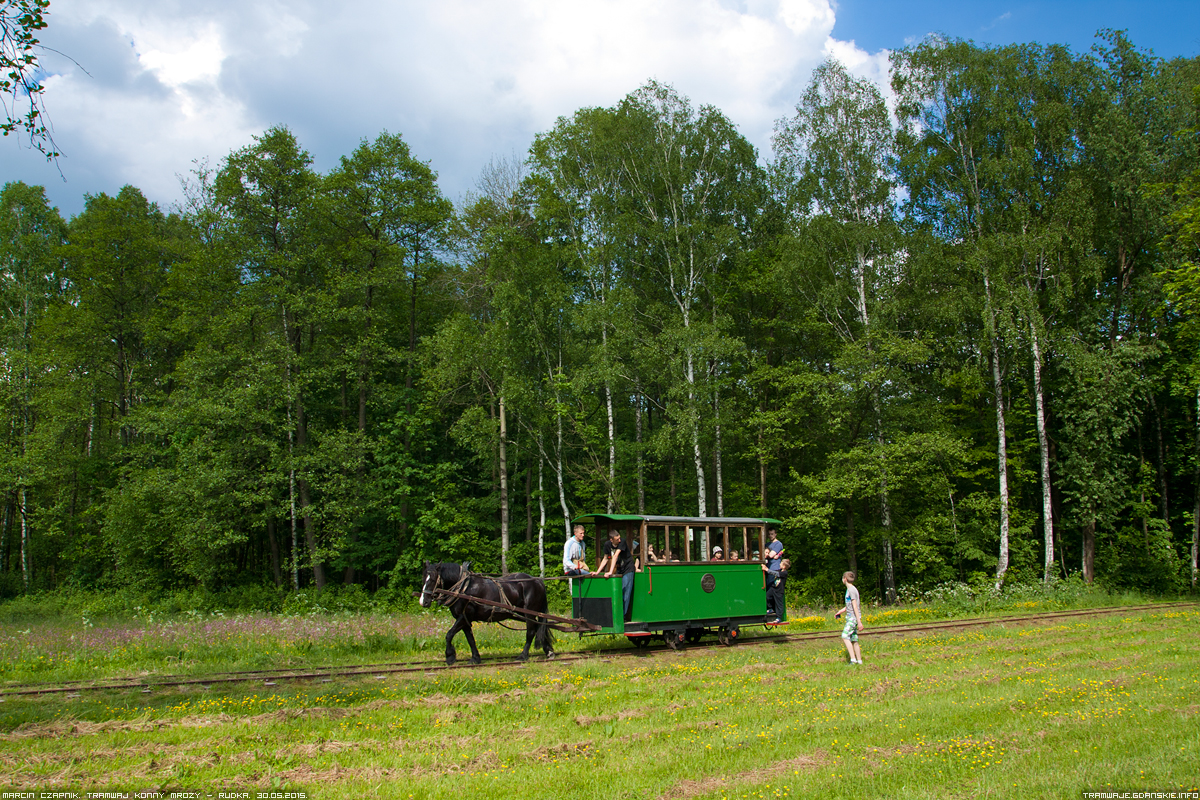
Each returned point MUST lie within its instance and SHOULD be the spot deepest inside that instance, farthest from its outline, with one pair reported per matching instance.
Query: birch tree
(687, 179)
(265, 192)
(837, 150)
(30, 233)
(954, 154)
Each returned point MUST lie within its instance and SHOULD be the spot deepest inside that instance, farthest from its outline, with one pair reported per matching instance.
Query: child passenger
(853, 612)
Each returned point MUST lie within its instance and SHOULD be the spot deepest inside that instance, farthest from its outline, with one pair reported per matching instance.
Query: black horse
(516, 591)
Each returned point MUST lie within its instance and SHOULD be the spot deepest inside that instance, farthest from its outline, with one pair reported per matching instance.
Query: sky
(142, 91)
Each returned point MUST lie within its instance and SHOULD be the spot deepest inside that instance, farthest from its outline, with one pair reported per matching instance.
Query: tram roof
(695, 522)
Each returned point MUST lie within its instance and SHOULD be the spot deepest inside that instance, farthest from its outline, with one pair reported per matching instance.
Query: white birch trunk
(24, 512)
(541, 511)
(885, 512)
(562, 489)
(1001, 465)
(641, 484)
(612, 449)
(1196, 510)
(1001, 436)
(504, 543)
(287, 386)
(1044, 448)
(5, 527)
(717, 455)
(701, 494)
(762, 471)
(885, 507)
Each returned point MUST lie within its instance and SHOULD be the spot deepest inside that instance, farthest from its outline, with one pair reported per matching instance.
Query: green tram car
(681, 594)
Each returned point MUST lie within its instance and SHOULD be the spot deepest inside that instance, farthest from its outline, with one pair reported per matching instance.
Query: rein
(464, 582)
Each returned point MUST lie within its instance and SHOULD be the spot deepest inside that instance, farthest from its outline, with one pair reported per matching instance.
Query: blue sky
(1170, 29)
(153, 87)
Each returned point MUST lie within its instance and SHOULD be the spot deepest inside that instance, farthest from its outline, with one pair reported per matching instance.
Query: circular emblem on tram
(708, 582)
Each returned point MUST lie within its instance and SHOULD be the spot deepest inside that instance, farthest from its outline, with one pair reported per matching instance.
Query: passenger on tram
(717, 555)
(774, 550)
(616, 553)
(733, 555)
(573, 554)
(776, 587)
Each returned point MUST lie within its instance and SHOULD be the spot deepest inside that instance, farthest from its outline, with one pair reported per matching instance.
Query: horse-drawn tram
(692, 576)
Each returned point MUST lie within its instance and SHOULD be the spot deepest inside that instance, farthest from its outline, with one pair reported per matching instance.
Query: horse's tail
(544, 634)
(544, 637)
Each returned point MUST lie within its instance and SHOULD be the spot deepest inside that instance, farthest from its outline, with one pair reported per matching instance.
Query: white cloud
(872, 66)
(462, 80)
(181, 60)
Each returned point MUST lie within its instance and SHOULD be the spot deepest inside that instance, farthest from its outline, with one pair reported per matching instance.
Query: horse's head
(429, 581)
(440, 575)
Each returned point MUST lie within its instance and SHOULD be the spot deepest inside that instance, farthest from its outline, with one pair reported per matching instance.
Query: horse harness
(464, 583)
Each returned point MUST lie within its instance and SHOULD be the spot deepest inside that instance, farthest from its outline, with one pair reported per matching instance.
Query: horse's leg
(542, 632)
(475, 659)
(530, 631)
(451, 653)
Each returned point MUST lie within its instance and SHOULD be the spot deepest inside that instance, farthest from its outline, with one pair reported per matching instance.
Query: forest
(949, 334)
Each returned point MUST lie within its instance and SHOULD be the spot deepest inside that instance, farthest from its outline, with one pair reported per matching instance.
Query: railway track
(272, 677)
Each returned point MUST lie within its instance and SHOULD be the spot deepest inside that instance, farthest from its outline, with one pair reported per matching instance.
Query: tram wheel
(728, 636)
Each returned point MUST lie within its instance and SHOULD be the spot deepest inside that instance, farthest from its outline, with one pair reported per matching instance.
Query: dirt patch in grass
(440, 699)
(289, 714)
(320, 748)
(326, 777)
(61, 728)
(109, 753)
(78, 727)
(156, 761)
(1117, 663)
(583, 721)
(695, 788)
(749, 669)
(814, 760)
(563, 751)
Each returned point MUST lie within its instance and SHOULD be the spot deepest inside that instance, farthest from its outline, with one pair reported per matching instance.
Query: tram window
(717, 544)
(658, 545)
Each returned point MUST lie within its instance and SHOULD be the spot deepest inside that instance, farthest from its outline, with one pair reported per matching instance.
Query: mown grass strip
(1002, 711)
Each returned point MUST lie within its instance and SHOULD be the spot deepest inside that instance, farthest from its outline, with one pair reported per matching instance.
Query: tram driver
(618, 557)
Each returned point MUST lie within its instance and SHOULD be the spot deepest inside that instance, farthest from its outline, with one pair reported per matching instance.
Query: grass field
(1041, 710)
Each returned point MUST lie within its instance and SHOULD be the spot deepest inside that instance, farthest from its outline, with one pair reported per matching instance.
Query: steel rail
(380, 670)
(971, 622)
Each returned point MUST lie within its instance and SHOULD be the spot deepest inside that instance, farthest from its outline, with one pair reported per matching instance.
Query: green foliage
(979, 596)
(308, 384)
(20, 73)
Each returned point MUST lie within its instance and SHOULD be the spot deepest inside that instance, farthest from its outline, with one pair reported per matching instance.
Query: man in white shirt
(573, 563)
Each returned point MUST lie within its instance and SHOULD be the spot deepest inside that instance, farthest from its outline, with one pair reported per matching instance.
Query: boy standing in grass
(853, 612)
